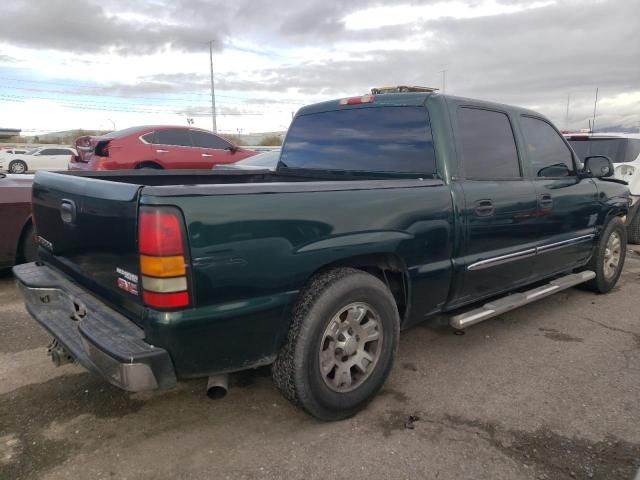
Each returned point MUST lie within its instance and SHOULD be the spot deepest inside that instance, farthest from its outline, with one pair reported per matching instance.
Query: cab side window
(208, 140)
(179, 138)
(547, 152)
(488, 146)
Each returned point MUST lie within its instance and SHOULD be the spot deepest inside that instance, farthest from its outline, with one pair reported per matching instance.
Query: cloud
(530, 56)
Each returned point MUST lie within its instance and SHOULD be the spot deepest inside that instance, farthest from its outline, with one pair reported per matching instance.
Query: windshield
(32, 151)
(619, 150)
(384, 139)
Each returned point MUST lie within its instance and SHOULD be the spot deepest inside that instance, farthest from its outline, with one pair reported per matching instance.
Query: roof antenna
(595, 105)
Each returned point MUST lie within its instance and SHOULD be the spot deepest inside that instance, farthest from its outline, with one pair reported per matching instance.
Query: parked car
(8, 154)
(41, 158)
(366, 227)
(159, 147)
(624, 152)
(266, 160)
(16, 235)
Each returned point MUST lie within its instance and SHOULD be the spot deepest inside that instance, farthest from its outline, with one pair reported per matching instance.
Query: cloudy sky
(95, 64)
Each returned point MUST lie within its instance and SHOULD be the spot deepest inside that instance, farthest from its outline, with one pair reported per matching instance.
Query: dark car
(383, 210)
(159, 147)
(16, 235)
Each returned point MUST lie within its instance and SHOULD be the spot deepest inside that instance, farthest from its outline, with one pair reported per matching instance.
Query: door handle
(162, 151)
(545, 201)
(206, 155)
(484, 208)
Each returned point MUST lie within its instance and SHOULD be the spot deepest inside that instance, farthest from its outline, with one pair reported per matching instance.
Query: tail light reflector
(102, 148)
(163, 258)
(166, 300)
(357, 100)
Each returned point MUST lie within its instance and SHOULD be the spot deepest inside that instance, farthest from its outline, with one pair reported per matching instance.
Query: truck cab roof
(407, 99)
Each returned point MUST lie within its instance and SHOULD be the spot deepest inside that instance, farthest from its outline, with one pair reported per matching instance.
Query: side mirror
(232, 148)
(598, 166)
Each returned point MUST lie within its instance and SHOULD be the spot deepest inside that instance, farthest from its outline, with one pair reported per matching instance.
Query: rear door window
(175, 137)
(488, 146)
(48, 151)
(208, 140)
(547, 152)
(371, 139)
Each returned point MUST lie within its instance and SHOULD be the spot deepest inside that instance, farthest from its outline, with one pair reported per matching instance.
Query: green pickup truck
(384, 209)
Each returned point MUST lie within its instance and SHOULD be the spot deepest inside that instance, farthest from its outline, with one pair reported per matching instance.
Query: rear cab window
(386, 139)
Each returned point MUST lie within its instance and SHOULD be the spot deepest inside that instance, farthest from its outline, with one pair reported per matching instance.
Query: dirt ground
(549, 391)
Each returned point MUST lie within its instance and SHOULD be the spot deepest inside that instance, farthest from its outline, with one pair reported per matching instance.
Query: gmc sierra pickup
(384, 210)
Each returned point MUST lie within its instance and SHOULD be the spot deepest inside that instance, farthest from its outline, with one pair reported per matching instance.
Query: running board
(504, 304)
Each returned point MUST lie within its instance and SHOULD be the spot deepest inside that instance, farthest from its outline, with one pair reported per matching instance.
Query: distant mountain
(618, 129)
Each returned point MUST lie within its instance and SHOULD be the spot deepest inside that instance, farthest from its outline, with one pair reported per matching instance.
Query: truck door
(499, 205)
(568, 205)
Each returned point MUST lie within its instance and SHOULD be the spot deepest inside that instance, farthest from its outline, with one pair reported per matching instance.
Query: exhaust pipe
(59, 356)
(217, 386)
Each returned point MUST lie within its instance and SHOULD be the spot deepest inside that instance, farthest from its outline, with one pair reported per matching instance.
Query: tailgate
(88, 229)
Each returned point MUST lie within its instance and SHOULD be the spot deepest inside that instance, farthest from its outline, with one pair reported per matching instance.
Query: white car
(41, 158)
(8, 154)
(624, 151)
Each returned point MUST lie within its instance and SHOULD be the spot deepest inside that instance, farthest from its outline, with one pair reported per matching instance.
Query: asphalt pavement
(548, 391)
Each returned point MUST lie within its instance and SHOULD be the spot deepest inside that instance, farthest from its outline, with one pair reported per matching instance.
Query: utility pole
(213, 93)
(566, 118)
(444, 77)
(595, 106)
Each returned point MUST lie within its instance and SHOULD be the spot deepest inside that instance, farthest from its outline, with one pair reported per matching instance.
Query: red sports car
(156, 147)
(16, 235)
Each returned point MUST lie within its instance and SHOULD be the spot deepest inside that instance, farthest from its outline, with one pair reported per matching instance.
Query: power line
(101, 88)
(141, 96)
(107, 108)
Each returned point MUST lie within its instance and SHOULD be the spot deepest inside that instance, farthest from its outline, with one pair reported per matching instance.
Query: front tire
(608, 257)
(17, 166)
(341, 344)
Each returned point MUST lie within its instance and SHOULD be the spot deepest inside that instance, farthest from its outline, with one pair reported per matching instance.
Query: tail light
(102, 148)
(163, 258)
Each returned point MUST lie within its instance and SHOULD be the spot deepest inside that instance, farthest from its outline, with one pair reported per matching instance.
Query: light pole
(213, 94)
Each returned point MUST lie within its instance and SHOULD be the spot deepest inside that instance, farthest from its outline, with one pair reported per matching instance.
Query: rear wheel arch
(389, 267)
(22, 248)
(149, 164)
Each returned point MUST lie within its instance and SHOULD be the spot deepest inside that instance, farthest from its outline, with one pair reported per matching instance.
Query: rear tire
(633, 229)
(341, 344)
(17, 166)
(148, 166)
(608, 257)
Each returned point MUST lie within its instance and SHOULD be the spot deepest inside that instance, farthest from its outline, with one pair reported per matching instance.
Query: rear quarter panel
(15, 210)
(253, 252)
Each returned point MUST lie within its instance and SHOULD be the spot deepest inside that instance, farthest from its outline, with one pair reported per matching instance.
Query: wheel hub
(350, 347)
(612, 255)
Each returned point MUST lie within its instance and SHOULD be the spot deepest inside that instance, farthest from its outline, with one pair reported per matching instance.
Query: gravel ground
(549, 391)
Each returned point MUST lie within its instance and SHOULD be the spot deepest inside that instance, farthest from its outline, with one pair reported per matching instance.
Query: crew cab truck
(384, 210)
